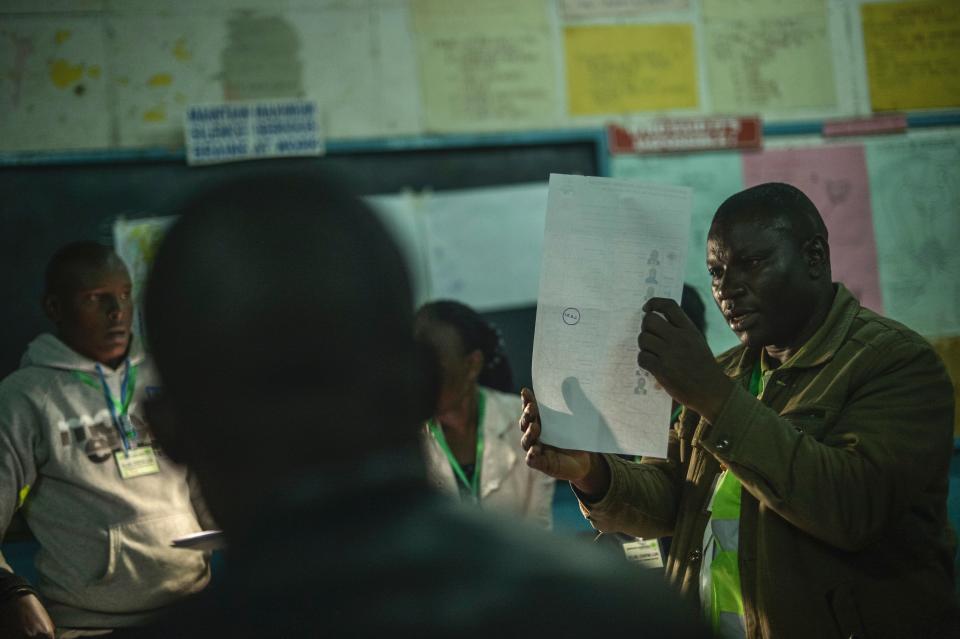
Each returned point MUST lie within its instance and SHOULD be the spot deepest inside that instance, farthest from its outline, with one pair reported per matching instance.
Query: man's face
(94, 315)
(760, 281)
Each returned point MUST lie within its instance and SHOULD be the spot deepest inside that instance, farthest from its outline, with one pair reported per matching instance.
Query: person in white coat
(472, 443)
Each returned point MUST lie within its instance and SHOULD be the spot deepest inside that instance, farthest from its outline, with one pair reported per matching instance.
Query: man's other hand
(588, 472)
(676, 353)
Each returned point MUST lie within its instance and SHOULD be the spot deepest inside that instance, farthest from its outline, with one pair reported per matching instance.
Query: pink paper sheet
(835, 179)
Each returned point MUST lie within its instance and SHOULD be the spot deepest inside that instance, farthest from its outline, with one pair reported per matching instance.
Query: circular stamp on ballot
(571, 316)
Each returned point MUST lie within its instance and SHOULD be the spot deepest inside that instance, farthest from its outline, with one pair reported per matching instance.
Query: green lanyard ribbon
(471, 485)
(756, 379)
(118, 407)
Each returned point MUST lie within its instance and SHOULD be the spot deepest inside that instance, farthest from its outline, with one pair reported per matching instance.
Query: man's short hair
(786, 205)
(61, 270)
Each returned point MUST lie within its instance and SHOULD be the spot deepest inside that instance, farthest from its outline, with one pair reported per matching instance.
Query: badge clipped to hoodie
(132, 461)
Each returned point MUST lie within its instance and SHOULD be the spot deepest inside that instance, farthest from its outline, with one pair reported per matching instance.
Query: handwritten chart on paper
(915, 190)
(624, 68)
(713, 177)
(484, 65)
(770, 56)
(912, 50)
(609, 246)
(835, 179)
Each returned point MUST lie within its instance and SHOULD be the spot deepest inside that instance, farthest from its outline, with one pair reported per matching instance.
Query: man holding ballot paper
(805, 480)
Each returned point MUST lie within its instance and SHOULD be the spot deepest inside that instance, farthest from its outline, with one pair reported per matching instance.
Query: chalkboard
(45, 206)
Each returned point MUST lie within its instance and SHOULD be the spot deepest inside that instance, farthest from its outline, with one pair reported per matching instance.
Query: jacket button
(695, 555)
(723, 444)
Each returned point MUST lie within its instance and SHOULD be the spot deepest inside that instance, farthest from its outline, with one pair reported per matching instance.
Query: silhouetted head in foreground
(279, 315)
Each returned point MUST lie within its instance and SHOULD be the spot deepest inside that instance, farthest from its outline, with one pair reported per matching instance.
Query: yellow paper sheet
(912, 51)
(759, 59)
(485, 65)
(949, 350)
(626, 68)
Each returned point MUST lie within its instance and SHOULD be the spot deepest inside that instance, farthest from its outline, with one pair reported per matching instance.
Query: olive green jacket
(843, 461)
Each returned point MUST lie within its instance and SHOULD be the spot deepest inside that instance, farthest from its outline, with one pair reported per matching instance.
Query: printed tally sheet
(609, 246)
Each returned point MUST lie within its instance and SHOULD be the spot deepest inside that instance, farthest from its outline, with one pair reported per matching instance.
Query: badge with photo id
(137, 462)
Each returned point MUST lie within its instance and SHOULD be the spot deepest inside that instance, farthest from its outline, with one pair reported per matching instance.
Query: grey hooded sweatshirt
(105, 559)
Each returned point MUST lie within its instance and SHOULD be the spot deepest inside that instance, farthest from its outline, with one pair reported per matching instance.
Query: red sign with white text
(686, 134)
(888, 123)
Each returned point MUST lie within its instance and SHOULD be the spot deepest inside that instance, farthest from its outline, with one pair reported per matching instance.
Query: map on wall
(361, 82)
(53, 84)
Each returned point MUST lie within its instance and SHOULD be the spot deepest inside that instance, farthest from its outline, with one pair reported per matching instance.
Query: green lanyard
(118, 408)
(122, 405)
(437, 432)
(756, 379)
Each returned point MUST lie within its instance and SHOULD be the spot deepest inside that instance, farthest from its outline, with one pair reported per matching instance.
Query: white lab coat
(507, 484)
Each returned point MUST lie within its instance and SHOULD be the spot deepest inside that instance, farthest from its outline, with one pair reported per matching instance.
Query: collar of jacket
(818, 350)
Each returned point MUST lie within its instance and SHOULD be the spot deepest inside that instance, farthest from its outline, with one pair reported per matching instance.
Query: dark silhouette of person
(280, 315)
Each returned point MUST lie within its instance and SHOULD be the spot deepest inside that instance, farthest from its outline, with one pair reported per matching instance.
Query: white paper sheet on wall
(485, 65)
(915, 194)
(768, 56)
(136, 242)
(484, 245)
(609, 246)
(402, 216)
(713, 177)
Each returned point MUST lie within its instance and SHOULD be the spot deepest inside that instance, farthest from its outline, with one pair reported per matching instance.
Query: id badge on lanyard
(132, 461)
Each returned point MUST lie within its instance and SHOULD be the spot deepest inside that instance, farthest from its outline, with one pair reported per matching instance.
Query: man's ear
(52, 308)
(816, 251)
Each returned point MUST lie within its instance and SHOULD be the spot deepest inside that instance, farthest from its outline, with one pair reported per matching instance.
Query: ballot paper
(609, 246)
(205, 540)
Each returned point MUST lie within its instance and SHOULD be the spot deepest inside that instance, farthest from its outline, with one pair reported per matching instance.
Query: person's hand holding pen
(588, 472)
